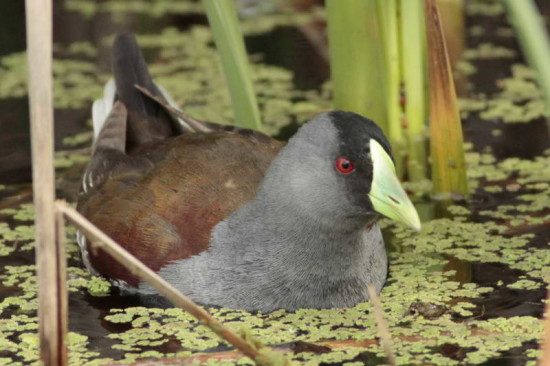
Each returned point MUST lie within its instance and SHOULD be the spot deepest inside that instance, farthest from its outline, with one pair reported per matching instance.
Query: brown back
(165, 210)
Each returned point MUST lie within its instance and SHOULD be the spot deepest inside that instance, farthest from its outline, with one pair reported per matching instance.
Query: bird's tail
(146, 120)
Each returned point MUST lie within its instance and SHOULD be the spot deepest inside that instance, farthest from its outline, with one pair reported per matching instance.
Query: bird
(232, 217)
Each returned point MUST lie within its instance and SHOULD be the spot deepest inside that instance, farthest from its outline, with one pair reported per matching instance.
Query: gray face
(326, 169)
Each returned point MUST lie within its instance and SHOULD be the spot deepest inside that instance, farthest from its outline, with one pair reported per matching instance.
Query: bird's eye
(344, 165)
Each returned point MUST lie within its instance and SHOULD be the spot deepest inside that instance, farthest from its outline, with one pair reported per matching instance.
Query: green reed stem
(387, 12)
(222, 16)
(413, 60)
(357, 69)
(534, 40)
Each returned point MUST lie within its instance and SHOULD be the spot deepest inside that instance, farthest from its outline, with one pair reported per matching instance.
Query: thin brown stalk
(195, 124)
(545, 345)
(12, 201)
(63, 300)
(50, 289)
(101, 240)
(383, 330)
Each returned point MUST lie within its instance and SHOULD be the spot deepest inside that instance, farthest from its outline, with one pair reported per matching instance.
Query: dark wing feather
(167, 212)
(148, 121)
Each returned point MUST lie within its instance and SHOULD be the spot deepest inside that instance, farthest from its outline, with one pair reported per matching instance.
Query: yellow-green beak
(386, 194)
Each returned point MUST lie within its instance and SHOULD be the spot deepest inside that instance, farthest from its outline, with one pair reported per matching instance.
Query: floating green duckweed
(66, 159)
(419, 188)
(484, 8)
(525, 284)
(85, 49)
(428, 301)
(488, 51)
(75, 82)
(84, 138)
(24, 212)
(257, 19)
(519, 99)
(476, 30)
(154, 9)
(465, 67)
(18, 238)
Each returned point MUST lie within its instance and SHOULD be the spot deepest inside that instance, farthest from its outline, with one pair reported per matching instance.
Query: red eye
(344, 165)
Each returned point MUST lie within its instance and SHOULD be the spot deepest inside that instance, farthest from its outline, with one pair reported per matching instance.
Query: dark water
(311, 70)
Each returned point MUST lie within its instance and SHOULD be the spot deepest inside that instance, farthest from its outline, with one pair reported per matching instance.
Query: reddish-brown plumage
(165, 210)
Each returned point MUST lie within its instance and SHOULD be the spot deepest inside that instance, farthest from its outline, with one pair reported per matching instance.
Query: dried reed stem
(452, 19)
(545, 345)
(101, 240)
(446, 141)
(63, 299)
(51, 295)
(383, 331)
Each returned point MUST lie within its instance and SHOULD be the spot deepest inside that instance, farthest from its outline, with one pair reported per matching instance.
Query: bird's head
(340, 165)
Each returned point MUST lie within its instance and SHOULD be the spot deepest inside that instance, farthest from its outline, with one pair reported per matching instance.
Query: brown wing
(162, 204)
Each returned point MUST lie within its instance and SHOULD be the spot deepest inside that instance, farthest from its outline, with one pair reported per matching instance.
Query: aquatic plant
(446, 140)
(413, 64)
(360, 76)
(534, 40)
(222, 17)
(430, 304)
(357, 68)
(387, 13)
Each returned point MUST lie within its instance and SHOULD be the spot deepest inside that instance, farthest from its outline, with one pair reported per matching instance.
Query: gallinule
(232, 217)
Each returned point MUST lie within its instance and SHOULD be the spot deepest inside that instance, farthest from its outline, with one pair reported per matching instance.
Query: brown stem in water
(383, 331)
(101, 240)
(63, 299)
(52, 316)
(545, 344)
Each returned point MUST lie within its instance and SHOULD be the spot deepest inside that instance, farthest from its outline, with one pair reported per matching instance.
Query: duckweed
(425, 268)
(485, 8)
(519, 99)
(488, 51)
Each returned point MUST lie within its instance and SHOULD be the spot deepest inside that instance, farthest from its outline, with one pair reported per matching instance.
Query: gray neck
(297, 261)
(287, 231)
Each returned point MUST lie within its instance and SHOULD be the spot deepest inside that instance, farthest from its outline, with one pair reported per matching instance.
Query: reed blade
(452, 20)
(222, 16)
(446, 141)
(413, 33)
(534, 40)
(357, 68)
(387, 11)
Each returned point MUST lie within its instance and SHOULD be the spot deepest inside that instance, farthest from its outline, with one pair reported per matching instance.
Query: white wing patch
(102, 107)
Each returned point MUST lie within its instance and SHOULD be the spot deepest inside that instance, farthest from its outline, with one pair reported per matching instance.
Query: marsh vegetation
(469, 289)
